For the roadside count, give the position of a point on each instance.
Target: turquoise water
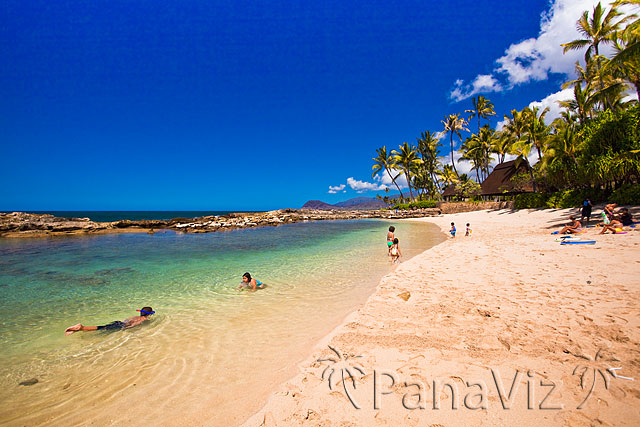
(316, 274)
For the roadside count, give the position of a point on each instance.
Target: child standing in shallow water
(390, 236)
(394, 251)
(453, 230)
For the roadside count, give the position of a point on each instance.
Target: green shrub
(530, 201)
(628, 194)
(421, 204)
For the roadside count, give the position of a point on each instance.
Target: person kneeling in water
(252, 284)
(145, 312)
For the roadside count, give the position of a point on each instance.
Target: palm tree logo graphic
(341, 363)
(596, 372)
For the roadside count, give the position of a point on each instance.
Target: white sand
(507, 298)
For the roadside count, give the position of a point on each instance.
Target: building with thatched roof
(498, 184)
(500, 181)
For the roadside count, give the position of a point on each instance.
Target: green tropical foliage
(592, 150)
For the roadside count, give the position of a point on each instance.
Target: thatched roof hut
(499, 182)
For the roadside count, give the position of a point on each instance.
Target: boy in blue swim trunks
(251, 283)
(145, 313)
(453, 230)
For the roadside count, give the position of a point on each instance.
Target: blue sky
(147, 105)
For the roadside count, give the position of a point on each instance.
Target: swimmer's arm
(254, 284)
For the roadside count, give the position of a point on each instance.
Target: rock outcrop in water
(21, 224)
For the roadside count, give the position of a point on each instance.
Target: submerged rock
(31, 381)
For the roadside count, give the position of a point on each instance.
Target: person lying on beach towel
(145, 313)
(574, 227)
(249, 282)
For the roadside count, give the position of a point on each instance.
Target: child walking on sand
(394, 251)
(453, 230)
(468, 232)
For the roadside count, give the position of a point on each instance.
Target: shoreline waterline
(204, 349)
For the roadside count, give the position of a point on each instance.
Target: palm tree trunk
(394, 182)
(406, 174)
(453, 164)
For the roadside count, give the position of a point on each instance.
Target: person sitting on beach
(390, 236)
(468, 231)
(394, 251)
(574, 227)
(251, 283)
(453, 230)
(607, 214)
(619, 221)
(586, 210)
(145, 312)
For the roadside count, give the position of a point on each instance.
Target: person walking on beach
(468, 231)
(586, 210)
(453, 230)
(394, 251)
(251, 283)
(145, 313)
(390, 236)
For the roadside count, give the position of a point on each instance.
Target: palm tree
(627, 66)
(428, 148)
(596, 30)
(447, 175)
(582, 103)
(407, 159)
(537, 131)
(472, 151)
(522, 148)
(453, 123)
(502, 144)
(482, 107)
(385, 162)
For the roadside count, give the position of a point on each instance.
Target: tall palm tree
(627, 66)
(537, 131)
(447, 175)
(521, 148)
(502, 144)
(472, 151)
(407, 159)
(582, 103)
(482, 107)
(428, 148)
(385, 162)
(453, 124)
(596, 30)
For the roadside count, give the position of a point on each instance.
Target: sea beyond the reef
(110, 216)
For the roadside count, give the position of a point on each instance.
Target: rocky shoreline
(21, 224)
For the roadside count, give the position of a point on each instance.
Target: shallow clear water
(209, 345)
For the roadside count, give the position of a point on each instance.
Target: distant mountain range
(356, 203)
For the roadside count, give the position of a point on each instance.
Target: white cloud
(483, 83)
(362, 186)
(336, 188)
(551, 101)
(385, 179)
(534, 58)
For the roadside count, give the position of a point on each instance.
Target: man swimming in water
(145, 313)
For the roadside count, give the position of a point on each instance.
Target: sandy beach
(506, 327)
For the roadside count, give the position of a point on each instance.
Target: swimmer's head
(392, 229)
(146, 311)
(246, 277)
